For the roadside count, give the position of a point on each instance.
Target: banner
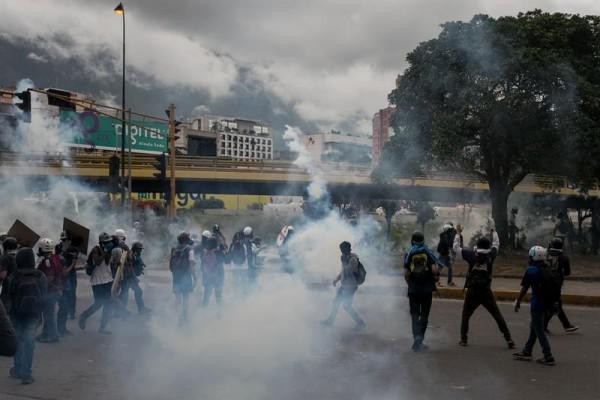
(89, 129)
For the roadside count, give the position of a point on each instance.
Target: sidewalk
(575, 292)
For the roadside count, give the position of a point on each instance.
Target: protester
(216, 232)
(132, 281)
(27, 291)
(8, 337)
(560, 265)
(51, 265)
(445, 250)
(348, 277)
(101, 279)
(8, 266)
(213, 272)
(478, 285)
(541, 302)
(182, 265)
(420, 271)
(69, 255)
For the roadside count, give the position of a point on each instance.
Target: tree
(425, 213)
(495, 97)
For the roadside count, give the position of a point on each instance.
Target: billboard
(89, 129)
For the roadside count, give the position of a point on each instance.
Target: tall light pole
(120, 10)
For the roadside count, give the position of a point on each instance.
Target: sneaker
(571, 328)
(360, 326)
(522, 356)
(546, 361)
(45, 339)
(451, 284)
(144, 310)
(423, 347)
(82, 323)
(463, 343)
(27, 381)
(327, 323)
(104, 331)
(12, 372)
(510, 344)
(439, 284)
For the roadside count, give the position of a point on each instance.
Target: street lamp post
(120, 10)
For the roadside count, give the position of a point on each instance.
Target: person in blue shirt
(532, 279)
(420, 271)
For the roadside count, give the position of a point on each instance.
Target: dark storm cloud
(329, 63)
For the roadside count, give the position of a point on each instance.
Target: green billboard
(89, 129)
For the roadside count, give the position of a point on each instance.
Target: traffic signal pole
(172, 213)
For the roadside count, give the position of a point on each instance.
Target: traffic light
(25, 104)
(113, 174)
(161, 166)
(62, 102)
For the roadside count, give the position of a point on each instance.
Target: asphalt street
(267, 344)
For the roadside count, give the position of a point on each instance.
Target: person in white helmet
(541, 303)
(51, 265)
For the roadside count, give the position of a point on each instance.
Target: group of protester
(43, 290)
(544, 276)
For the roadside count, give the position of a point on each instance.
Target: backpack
(238, 252)
(419, 265)
(479, 277)
(361, 274)
(28, 295)
(180, 259)
(549, 285)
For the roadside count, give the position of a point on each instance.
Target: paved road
(267, 344)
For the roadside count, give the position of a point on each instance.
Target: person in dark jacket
(8, 266)
(8, 337)
(27, 290)
(51, 265)
(347, 289)
(561, 262)
(445, 250)
(420, 271)
(478, 285)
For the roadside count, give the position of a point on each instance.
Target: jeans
(23, 360)
(536, 331)
(561, 316)
(64, 308)
(133, 284)
(345, 296)
(420, 306)
(49, 329)
(208, 289)
(447, 261)
(102, 299)
(8, 337)
(484, 297)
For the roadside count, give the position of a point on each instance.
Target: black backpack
(479, 278)
(180, 259)
(549, 285)
(28, 295)
(361, 274)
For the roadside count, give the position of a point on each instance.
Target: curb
(509, 295)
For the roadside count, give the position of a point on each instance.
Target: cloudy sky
(317, 64)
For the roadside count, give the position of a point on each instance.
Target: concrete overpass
(224, 176)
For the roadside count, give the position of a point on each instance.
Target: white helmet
(120, 233)
(447, 226)
(290, 228)
(247, 231)
(537, 253)
(47, 245)
(207, 234)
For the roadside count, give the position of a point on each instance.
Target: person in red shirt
(51, 265)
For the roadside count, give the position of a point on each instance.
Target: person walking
(51, 265)
(27, 291)
(560, 264)
(420, 271)
(541, 303)
(182, 266)
(101, 279)
(349, 279)
(213, 272)
(445, 251)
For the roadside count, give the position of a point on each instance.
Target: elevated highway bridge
(225, 176)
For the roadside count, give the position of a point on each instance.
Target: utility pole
(172, 211)
(129, 167)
